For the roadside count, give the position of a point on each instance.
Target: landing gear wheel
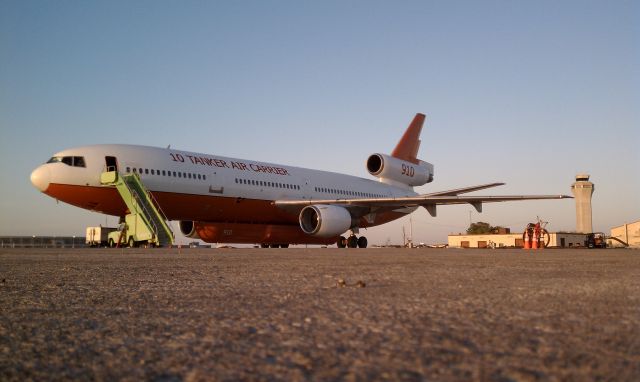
(342, 242)
(284, 245)
(111, 243)
(362, 242)
(264, 245)
(352, 242)
(132, 243)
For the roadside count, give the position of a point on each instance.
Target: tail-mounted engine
(393, 170)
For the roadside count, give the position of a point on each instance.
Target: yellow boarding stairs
(145, 223)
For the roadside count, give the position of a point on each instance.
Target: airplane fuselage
(206, 188)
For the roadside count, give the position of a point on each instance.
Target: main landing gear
(352, 242)
(274, 245)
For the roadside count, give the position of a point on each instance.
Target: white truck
(98, 236)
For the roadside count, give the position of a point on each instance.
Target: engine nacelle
(394, 170)
(188, 228)
(324, 220)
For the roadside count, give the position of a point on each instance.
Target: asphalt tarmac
(319, 314)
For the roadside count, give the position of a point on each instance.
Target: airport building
(514, 240)
(628, 233)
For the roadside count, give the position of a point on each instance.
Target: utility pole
(410, 232)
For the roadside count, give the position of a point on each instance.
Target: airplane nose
(41, 177)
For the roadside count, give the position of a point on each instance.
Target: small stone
(360, 284)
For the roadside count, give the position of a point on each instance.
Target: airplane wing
(465, 190)
(362, 206)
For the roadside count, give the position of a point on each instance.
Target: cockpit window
(69, 161)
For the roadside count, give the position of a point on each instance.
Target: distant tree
(480, 228)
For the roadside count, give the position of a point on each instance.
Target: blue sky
(529, 93)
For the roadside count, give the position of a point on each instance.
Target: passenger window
(204, 177)
(152, 172)
(128, 169)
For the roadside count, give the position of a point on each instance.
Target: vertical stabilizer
(407, 147)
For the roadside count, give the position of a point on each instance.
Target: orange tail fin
(407, 147)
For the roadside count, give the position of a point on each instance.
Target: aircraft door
(306, 190)
(111, 163)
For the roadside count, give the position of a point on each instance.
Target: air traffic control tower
(582, 190)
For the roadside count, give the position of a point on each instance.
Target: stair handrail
(154, 201)
(142, 206)
(160, 211)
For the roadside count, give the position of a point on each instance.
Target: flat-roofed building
(515, 240)
(629, 233)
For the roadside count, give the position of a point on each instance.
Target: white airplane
(227, 200)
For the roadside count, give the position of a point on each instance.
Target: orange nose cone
(41, 177)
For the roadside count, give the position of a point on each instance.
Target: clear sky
(529, 93)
